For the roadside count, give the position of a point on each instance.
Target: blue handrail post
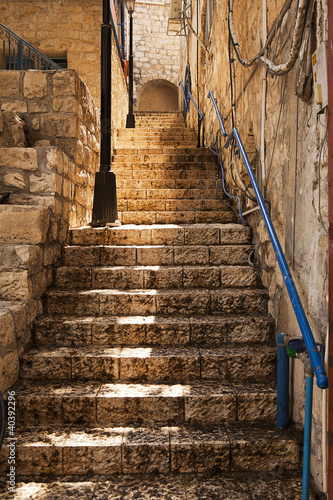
(317, 364)
(282, 383)
(307, 430)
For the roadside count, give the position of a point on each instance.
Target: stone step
(232, 486)
(157, 277)
(166, 155)
(81, 451)
(168, 234)
(126, 146)
(156, 255)
(155, 302)
(154, 331)
(187, 217)
(198, 403)
(167, 194)
(150, 364)
(136, 171)
(152, 147)
(170, 205)
(184, 169)
(166, 133)
(190, 184)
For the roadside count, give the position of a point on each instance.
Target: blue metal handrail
(316, 360)
(185, 99)
(210, 96)
(20, 55)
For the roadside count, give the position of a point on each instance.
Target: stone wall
(155, 55)
(69, 29)
(293, 186)
(48, 178)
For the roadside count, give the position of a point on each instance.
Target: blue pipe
(210, 95)
(307, 433)
(322, 380)
(282, 383)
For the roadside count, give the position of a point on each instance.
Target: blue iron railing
(312, 349)
(316, 359)
(187, 100)
(19, 54)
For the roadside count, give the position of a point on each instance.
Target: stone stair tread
(165, 234)
(231, 486)
(154, 330)
(152, 364)
(199, 403)
(111, 450)
(89, 256)
(157, 277)
(78, 450)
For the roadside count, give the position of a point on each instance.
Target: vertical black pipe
(105, 93)
(105, 194)
(130, 121)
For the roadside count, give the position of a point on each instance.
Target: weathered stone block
(23, 224)
(64, 83)
(9, 370)
(35, 84)
(19, 158)
(14, 180)
(15, 284)
(10, 83)
(7, 328)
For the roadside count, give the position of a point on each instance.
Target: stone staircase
(153, 370)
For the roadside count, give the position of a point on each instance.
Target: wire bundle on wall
(275, 69)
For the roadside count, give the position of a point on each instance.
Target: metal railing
(20, 55)
(316, 359)
(187, 100)
(311, 346)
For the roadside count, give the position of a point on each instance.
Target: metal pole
(130, 121)
(307, 430)
(282, 383)
(105, 195)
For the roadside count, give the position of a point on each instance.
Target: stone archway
(158, 95)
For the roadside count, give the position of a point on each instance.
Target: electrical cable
(274, 69)
(216, 153)
(319, 175)
(277, 23)
(276, 131)
(232, 83)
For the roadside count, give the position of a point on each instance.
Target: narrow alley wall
(291, 163)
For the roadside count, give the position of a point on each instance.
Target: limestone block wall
(155, 55)
(295, 178)
(59, 111)
(49, 178)
(69, 29)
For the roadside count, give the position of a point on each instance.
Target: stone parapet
(57, 108)
(48, 175)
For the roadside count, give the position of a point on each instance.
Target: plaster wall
(296, 165)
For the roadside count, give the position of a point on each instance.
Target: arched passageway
(158, 95)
